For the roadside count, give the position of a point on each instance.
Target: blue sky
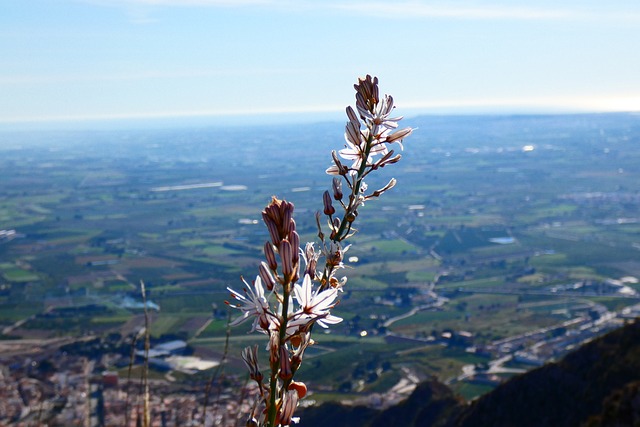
(102, 59)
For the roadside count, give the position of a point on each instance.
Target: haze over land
(508, 240)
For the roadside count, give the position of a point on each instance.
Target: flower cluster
(369, 136)
(279, 303)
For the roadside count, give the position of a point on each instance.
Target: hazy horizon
(138, 59)
(266, 119)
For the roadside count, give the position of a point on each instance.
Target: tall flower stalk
(288, 297)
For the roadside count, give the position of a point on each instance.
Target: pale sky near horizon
(102, 59)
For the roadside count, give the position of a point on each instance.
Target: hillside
(596, 385)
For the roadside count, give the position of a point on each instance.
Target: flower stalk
(290, 307)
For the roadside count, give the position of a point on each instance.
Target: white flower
(358, 147)
(314, 305)
(253, 304)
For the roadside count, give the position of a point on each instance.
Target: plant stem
(353, 198)
(275, 367)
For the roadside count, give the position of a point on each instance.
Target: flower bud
(337, 188)
(328, 207)
(286, 257)
(274, 341)
(285, 365)
(266, 276)
(278, 218)
(312, 260)
(294, 239)
(272, 227)
(291, 228)
(399, 135)
(270, 256)
(286, 209)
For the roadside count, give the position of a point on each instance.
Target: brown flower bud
(328, 207)
(266, 276)
(291, 228)
(286, 257)
(312, 260)
(294, 239)
(278, 218)
(274, 344)
(337, 188)
(286, 210)
(285, 364)
(272, 227)
(270, 256)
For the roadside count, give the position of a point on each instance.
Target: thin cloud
(422, 10)
(221, 112)
(183, 3)
(467, 11)
(408, 9)
(35, 79)
(141, 12)
(612, 103)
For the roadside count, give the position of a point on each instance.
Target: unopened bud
(312, 261)
(278, 218)
(399, 135)
(337, 188)
(291, 228)
(266, 276)
(270, 256)
(294, 238)
(286, 257)
(310, 269)
(272, 227)
(287, 213)
(328, 207)
(285, 364)
(274, 341)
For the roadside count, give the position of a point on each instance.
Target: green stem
(355, 192)
(339, 235)
(272, 413)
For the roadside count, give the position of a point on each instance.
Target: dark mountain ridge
(594, 386)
